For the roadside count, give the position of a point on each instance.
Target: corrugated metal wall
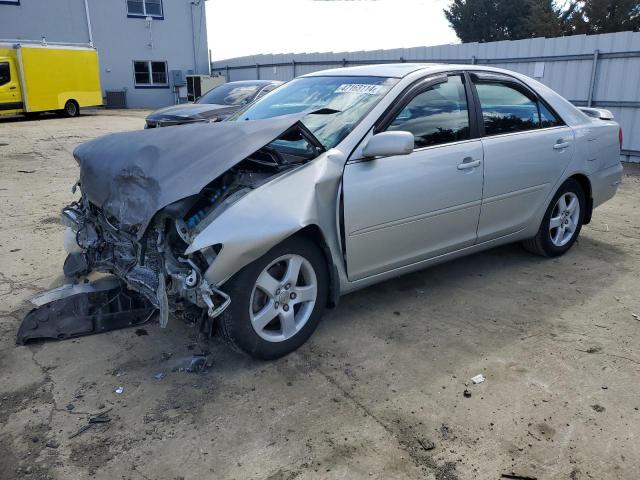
(601, 70)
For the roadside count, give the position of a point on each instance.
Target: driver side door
(403, 209)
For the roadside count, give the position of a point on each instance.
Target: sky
(249, 27)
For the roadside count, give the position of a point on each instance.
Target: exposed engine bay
(150, 258)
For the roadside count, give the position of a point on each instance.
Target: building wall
(119, 39)
(569, 65)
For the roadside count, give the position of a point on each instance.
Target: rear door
(403, 209)
(10, 94)
(526, 149)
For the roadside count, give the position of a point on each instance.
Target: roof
(396, 70)
(254, 82)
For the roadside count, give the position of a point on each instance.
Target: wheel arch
(585, 183)
(314, 233)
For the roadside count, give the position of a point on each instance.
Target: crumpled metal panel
(132, 175)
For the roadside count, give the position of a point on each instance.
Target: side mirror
(386, 144)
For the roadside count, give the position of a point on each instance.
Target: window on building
(5, 73)
(150, 73)
(10, 2)
(437, 115)
(144, 8)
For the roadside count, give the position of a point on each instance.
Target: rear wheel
(277, 301)
(71, 109)
(562, 222)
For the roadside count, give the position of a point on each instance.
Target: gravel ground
(376, 393)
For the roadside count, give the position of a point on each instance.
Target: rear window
(507, 109)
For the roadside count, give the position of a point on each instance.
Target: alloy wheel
(283, 298)
(564, 219)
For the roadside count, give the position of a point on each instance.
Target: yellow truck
(40, 78)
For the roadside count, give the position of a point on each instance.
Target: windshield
(336, 104)
(230, 94)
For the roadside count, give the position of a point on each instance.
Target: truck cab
(10, 91)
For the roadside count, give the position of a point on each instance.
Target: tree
(491, 20)
(488, 20)
(544, 19)
(606, 16)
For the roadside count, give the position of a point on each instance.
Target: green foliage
(491, 20)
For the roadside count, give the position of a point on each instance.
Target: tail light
(620, 137)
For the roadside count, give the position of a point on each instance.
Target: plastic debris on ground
(478, 379)
(119, 390)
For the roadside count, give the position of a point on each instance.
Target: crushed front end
(144, 199)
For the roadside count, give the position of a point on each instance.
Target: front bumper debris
(84, 309)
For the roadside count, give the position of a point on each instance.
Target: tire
(251, 305)
(555, 241)
(71, 109)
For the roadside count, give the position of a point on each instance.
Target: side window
(5, 73)
(506, 109)
(547, 119)
(437, 115)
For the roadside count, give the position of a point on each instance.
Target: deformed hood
(133, 175)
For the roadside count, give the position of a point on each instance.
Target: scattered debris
(141, 331)
(635, 315)
(26, 171)
(478, 379)
(119, 390)
(69, 314)
(100, 418)
(70, 407)
(515, 476)
(598, 408)
(590, 350)
(466, 393)
(159, 375)
(52, 444)
(198, 363)
(604, 387)
(426, 444)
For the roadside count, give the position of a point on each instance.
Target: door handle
(468, 163)
(561, 143)
(12, 88)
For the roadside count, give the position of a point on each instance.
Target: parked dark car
(214, 106)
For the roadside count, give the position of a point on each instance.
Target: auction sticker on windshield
(361, 88)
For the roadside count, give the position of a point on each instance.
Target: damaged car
(335, 181)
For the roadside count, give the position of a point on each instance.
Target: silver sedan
(335, 181)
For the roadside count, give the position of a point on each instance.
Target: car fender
(273, 212)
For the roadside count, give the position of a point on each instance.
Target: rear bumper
(604, 183)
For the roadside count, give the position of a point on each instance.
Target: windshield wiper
(325, 111)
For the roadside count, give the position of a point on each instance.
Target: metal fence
(589, 70)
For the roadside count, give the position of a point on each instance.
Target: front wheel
(562, 222)
(277, 301)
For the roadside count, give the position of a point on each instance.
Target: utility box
(198, 85)
(177, 77)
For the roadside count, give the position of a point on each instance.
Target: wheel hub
(287, 282)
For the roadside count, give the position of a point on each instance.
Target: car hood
(192, 111)
(133, 175)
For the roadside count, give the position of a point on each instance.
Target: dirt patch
(18, 400)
